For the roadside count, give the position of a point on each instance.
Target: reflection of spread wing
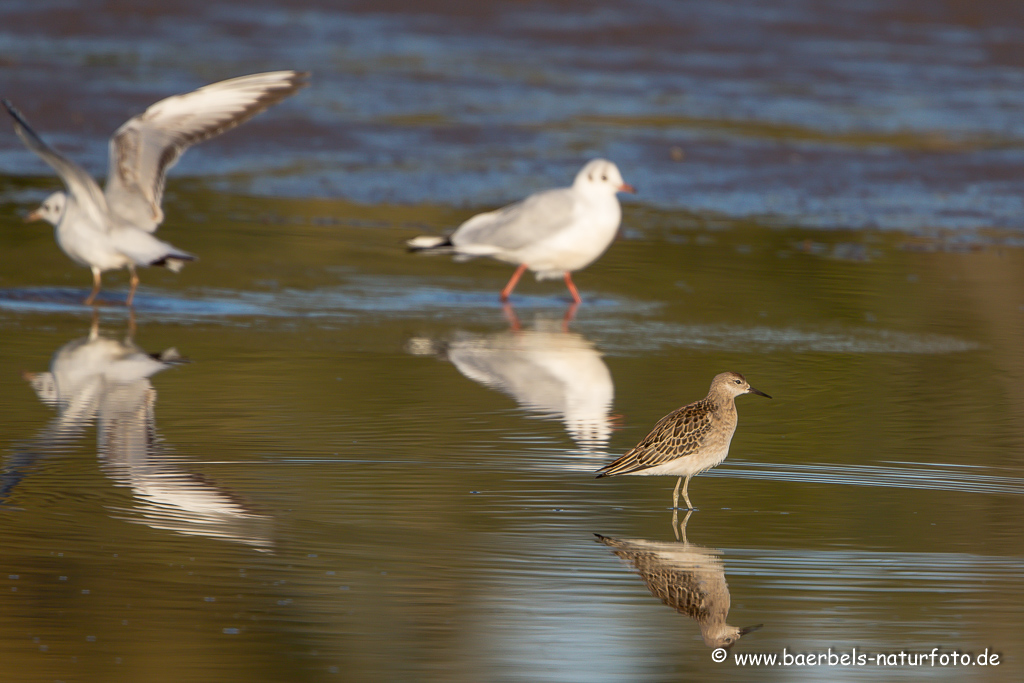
(518, 225)
(171, 498)
(678, 434)
(167, 496)
(147, 145)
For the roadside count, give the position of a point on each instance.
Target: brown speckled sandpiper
(689, 440)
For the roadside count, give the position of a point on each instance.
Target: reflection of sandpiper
(688, 578)
(689, 440)
(107, 381)
(547, 370)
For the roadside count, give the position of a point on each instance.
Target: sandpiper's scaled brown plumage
(689, 440)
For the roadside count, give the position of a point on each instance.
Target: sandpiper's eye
(737, 381)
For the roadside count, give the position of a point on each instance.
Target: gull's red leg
(510, 315)
(572, 288)
(512, 282)
(96, 275)
(135, 283)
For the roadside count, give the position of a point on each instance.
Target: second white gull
(552, 233)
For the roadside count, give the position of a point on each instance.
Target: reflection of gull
(552, 233)
(688, 578)
(547, 370)
(107, 381)
(112, 228)
(84, 371)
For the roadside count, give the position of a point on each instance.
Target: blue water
(897, 116)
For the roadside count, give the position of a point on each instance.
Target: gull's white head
(45, 386)
(601, 175)
(50, 210)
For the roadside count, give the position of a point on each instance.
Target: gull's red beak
(34, 216)
(626, 187)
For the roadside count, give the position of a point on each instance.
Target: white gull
(113, 228)
(552, 233)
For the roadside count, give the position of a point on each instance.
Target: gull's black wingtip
(16, 115)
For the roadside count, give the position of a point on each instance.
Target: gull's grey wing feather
(146, 146)
(517, 225)
(81, 187)
(677, 435)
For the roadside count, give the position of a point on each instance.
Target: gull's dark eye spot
(604, 177)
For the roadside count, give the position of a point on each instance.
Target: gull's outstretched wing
(147, 145)
(81, 187)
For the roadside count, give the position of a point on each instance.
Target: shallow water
(350, 463)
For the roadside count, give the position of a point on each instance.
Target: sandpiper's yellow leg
(680, 529)
(689, 505)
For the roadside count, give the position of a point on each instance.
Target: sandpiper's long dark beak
(750, 629)
(752, 390)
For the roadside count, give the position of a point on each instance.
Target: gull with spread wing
(113, 228)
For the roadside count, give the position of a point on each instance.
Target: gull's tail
(174, 262)
(431, 244)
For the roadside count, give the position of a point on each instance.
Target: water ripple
(928, 476)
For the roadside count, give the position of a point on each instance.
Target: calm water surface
(312, 456)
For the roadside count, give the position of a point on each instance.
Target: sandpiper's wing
(82, 188)
(517, 225)
(147, 145)
(677, 435)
